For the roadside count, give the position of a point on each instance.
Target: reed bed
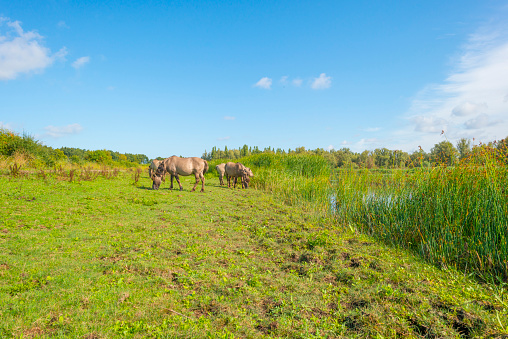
(452, 216)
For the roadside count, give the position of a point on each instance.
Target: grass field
(105, 258)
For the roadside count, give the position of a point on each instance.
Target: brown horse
(238, 170)
(177, 166)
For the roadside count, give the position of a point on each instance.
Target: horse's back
(188, 166)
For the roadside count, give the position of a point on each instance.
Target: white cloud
(284, 80)
(481, 121)
(468, 108)
(223, 138)
(229, 118)
(297, 82)
(265, 83)
(23, 52)
(80, 62)
(60, 131)
(430, 124)
(471, 102)
(322, 82)
(330, 147)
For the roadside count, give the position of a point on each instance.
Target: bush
(99, 156)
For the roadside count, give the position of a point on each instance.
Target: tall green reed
(454, 216)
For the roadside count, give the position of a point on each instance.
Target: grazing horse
(238, 170)
(221, 169)
(177, 166)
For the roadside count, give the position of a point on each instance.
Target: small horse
(177, 166)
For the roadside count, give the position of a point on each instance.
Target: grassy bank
(104, 258)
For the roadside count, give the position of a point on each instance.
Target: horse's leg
(178, 181)
(202, 177)
(234, 186)
(228, 178)
(171, 187)
(196, 175)
(220, 180)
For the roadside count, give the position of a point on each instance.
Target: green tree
(99, 156)
(444, 153)
(464, 148)
(244, 151)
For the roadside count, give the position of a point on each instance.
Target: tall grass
(454, 216)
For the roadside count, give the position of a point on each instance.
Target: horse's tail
(205, 169)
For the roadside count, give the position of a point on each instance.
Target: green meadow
(306, 252)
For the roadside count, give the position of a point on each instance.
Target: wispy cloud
(6, 125)
(265, 83)
(229, 118)
(371, 129)
(368, 143)
(80, 62)
(60, 131)
(285, 80)
(468, 108)
(322, 82)
(23, 52)
(223, 138)
(481, 121)
(471, 101)
(62, 24)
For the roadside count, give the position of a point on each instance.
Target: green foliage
(464, 148)
(444, 153)
(11, 143)
(99, 156)
(40, 155)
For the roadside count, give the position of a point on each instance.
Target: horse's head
(249, 172)
(157, 180)
(158, 176)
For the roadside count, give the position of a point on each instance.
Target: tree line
(443, 152)
(12, 143)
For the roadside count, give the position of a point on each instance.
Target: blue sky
(163, 78)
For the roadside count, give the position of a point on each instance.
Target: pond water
(371, 198)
